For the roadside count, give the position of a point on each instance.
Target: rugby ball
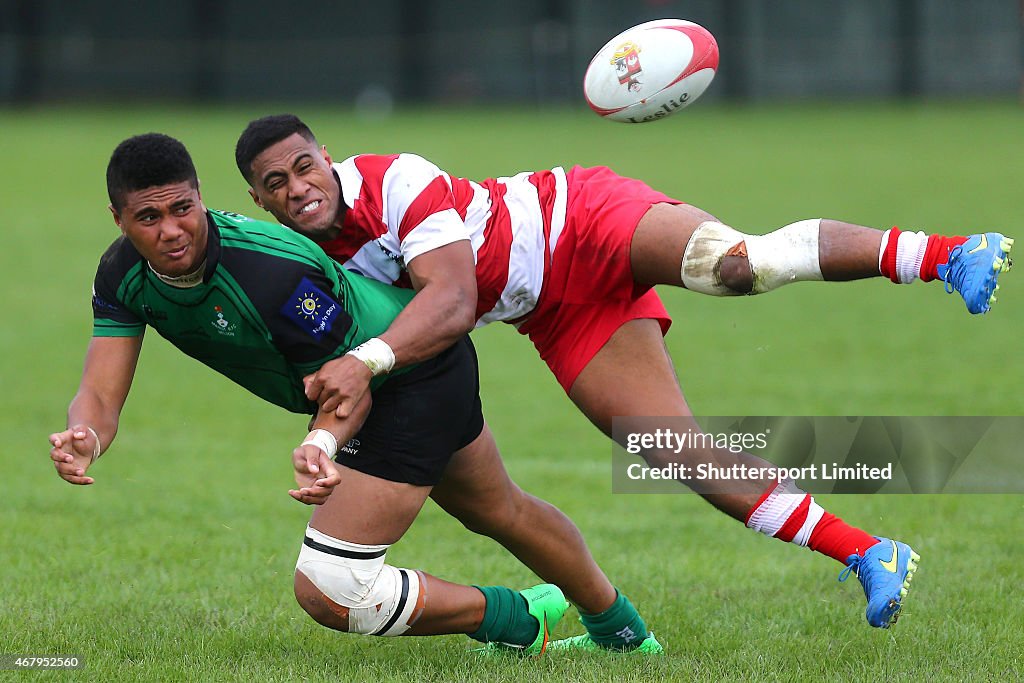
(651, 71)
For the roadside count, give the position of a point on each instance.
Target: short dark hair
(263, 133)
(145, 161)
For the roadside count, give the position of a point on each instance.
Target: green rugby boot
(650, 646)
(547, 605)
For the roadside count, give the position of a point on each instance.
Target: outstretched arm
(94, 412)
(443, 310)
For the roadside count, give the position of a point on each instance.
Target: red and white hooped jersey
(401, 206)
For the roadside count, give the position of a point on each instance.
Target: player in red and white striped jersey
(570, 258)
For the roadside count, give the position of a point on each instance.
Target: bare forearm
(343, 428)
(433, 321)
(443, 309)
(89, 409)
(106, 379)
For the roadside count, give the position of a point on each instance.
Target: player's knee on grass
(315, 604)
(348, 587)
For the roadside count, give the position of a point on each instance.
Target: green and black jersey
(271, 307)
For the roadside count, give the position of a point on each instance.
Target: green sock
(506, 618)
(620, 627)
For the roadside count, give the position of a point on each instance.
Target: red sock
(936, 254)
(887, 264)
(837, 539)
(791, 515)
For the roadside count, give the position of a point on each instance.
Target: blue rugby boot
(885, 571)
(974, 267)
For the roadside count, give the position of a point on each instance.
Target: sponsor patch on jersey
(312, 309)
(100, 304)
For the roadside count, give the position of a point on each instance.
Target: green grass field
(176, 564)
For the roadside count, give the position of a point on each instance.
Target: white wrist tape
(324, 440)
(97, 449)
(376, 354)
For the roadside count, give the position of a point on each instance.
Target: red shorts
(590, 292)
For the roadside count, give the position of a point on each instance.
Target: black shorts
(419, 419)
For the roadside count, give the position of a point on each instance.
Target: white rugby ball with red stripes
(651, 71)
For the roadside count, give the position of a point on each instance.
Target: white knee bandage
(382, 600)
(789, 254)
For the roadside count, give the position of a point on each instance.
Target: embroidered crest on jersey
(312, 309)
(222, 324)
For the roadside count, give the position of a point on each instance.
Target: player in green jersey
(264, 306)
